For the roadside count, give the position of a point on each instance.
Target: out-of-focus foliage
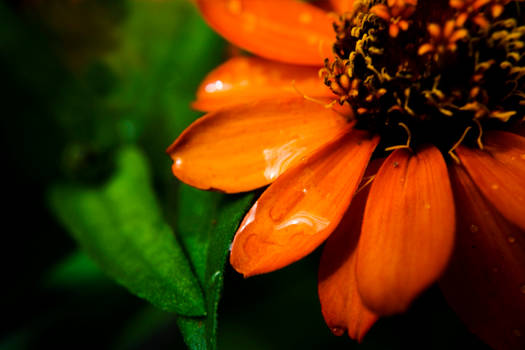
(107, 75)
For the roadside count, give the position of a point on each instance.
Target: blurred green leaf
(207, 225)
(165, 49)
(193, 330)
(121, 227)
(75, 271)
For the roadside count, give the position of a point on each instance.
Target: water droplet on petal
(279, 158)
(495, 269)
(338, 331)
(427, 206)
(516, 332)
(311, 223)
(494, 186)
(523, 156)
(522, 289)
(511, 240)
(474, 228)
(214, 87)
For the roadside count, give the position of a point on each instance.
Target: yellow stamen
(480, 144)
(451, 151)
(407, 145)
(329, 105)
(368, 182)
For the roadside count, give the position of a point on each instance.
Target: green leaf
(196, 212)
(193, 330)
(232, 210)
(206, 227)
(121, 227)
(77, 271)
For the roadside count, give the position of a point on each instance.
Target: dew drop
(214, 87)
(511, 240)
(215, 277)
(522, 289)
(516, 332)
(338, 331)
(427, 206)
(396, 164)
(523, 156)
(495, 269)
(474, 228)
(494, 186)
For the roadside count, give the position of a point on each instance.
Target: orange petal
(245, 79)
(249, 146)
(408, 230)
(296, 213)
(485, 282)
(341, 6)
(287, 31)
(499, 173)
(338, 6)
(508, 148)
(340, 302)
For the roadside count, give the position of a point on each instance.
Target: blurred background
(84, 80)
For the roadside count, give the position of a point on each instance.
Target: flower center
(439, 72)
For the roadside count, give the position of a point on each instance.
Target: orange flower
(409, 165)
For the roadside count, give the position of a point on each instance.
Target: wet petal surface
(408, 230)
(245, 79)
(298, 212)
(249, 146)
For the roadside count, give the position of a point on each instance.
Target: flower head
(394, 133)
